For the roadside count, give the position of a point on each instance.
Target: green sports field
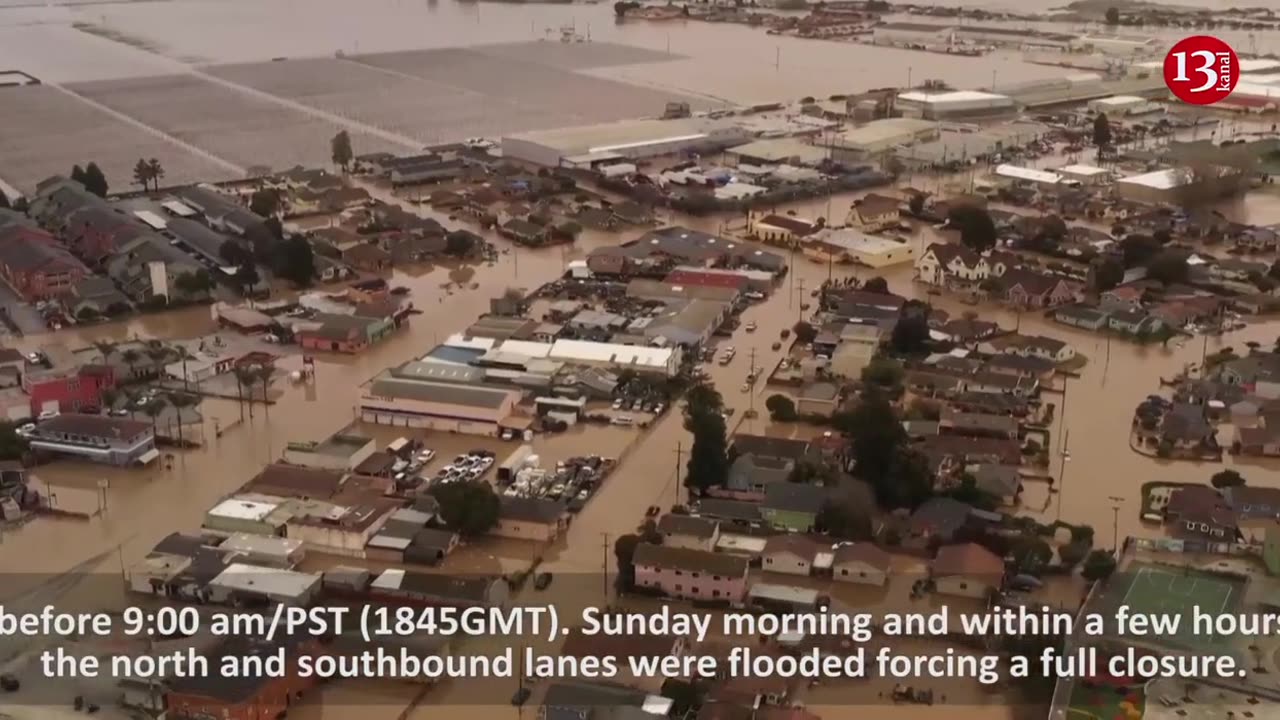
(1154, 590)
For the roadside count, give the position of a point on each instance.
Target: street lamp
(1115, 521)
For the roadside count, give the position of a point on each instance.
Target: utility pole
(800, 313)
(1115, 522)
(1062, 474)
(675, 489)
(791, 265)
(1062, 421)
(604, 567)
(751, 391)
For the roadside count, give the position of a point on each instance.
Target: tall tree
(624, 552)
(184, 356)
(1113, 16)
(468, 508)
(977, 229)
(131, 357)
(180, 402)
(296, 261)
(156, 170)
(340, 149)
(877, 285)
(245, 377)
(94, 180)
(105, 349)
(911, 335)
(265, 202)
(77, 174)
(1108, 273)
(1169, 266)
(247, 276)
(1138, 249)
(152, 409)
(708, 464)
(1101, 131)
(108, 398)
(1098, 565)
(142, 174)
(266, 376)
(194, 284)
(1226, 479)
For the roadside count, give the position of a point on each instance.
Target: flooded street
(142, 506)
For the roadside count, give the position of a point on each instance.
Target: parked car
(751, 327)
(26, 430)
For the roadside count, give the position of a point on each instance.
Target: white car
(426, 455)
(26, 430)
(751, 326)
(48, 415)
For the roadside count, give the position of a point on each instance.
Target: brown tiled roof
(799, 227)
(690, 560)
(946, 252)
(968, 559)
(874, 204)
(294, 481)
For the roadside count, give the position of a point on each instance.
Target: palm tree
(245, 376)
(106, 349)
(156, 172)
(108, 398)
(181, 401)
(131, 358)
(264, 374)
(152, 409)
(184, 355)
(158, 353)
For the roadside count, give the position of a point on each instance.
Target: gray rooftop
(482, 397)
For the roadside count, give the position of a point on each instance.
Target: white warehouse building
(954, 104)
(632, 139)
(1118, 105)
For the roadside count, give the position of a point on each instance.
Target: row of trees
(148, 174)
(708, 464)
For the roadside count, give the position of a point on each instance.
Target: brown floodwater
(144, 505)
(141, 506)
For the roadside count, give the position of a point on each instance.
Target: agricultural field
(536, 96)
(244, 129)
(47, 131)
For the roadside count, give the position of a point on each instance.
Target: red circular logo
(1201, 70)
